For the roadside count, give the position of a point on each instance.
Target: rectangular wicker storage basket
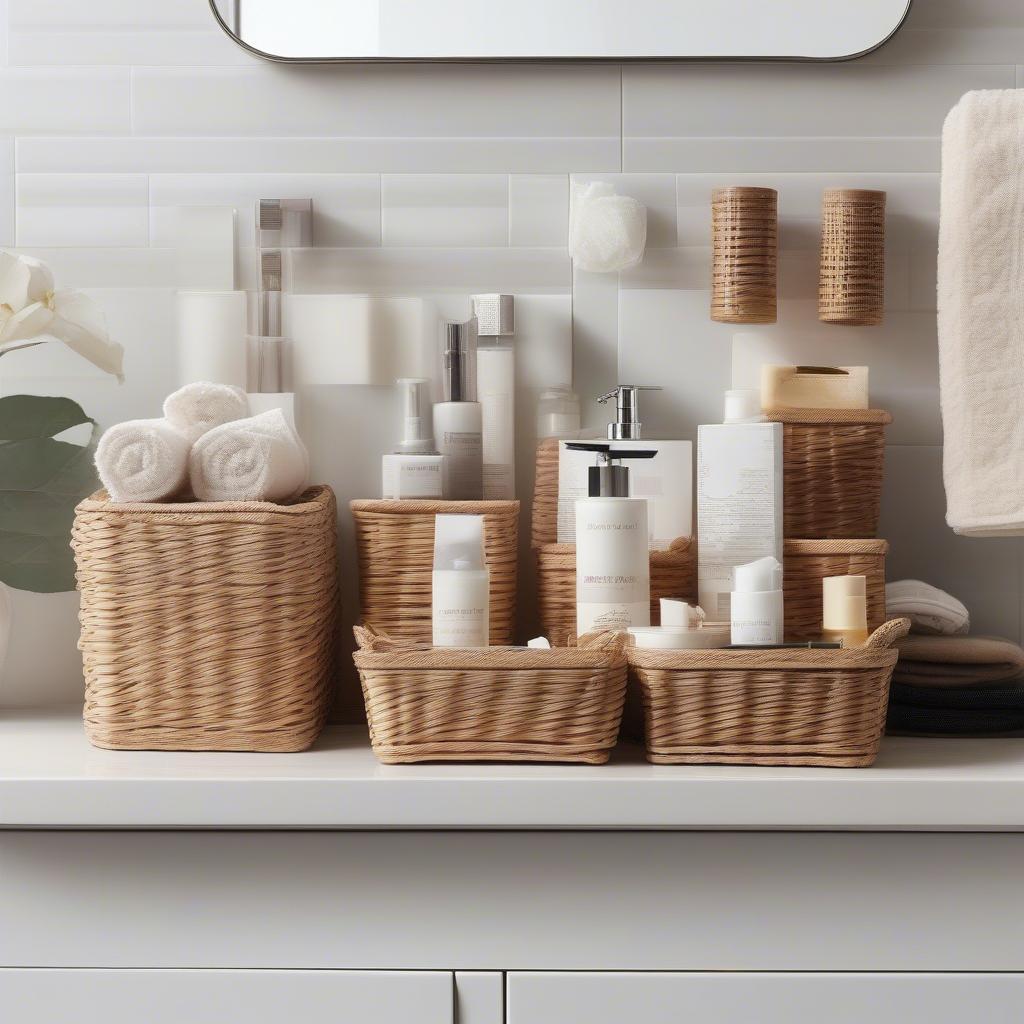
(673, 574)
(207, 626)
(395, 545)
(832, 468)
(768, 707)
(808, 562)
(493, 704)
(545, 494)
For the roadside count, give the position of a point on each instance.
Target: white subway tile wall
(444, 180)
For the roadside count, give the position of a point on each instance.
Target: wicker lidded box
(207, 625)
(395, 545)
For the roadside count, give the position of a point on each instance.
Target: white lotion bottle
(496, 391)
(757, 604)
(461, 583)
(458, 420)
(415, 469)
(613, 569)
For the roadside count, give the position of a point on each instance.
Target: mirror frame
(370, 61)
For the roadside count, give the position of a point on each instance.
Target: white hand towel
(143, 460)
(981, 313)
(197, 408)
(930, 610)
(255, 459)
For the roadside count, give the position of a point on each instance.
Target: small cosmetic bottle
(496, 392)
(415, 468)
(845, 610)
(756, 605)
(461, 583)
(458, 420)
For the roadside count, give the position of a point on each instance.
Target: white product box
(666, 481)
(739, 505)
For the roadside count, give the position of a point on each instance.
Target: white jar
(613, 569)
(757, 604)
(458, 433)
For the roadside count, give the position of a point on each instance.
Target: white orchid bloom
(32, 312)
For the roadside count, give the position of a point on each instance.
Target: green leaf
(41, 482)
(30, 416)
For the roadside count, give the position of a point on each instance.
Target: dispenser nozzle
(627, 425)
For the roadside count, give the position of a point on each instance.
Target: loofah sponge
(607, 232)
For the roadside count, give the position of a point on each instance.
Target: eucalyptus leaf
(44, 565)
(28, 416)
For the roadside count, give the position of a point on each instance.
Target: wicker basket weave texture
(395, 545)
(673, 574)
(768, 708)
(207, 626)
(545, 494)
(833, 466)
(495, 704)
(851, 287)
(744, 279)
(808, 562)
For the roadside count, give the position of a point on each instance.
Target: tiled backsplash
(451, 179)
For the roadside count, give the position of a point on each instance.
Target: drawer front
(216, 997)
(764, 998)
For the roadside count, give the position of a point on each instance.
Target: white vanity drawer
(216, 997)
(764, 998)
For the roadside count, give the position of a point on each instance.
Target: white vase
(5, 624)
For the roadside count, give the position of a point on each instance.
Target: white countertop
(50, 777)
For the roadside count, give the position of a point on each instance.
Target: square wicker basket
(492, 704)
(207, 626)
(781, 707)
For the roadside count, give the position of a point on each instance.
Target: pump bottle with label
(613, 572)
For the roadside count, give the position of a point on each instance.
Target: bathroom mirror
(325, 31)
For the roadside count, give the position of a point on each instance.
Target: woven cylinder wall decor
(833, 465)
(395, 545)
(851, 287)
(545, 494)
(673, 574)
(768, 707)
(745, 236)
(207, 625)
(808, 562)
(494, 704)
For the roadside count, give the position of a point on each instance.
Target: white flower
(31, 311)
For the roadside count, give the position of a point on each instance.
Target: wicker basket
(808, 562)
(495, 704)
(395, 544)
(207, 626)
(768, 707)
(745, 230)
(851, 289)
(673, 574)
(833, 463)
(545, 494)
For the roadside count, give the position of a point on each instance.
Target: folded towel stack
(957, 685)
(931, 611)
(205, 439)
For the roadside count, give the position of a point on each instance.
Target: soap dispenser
(627, 425)
(613, 573)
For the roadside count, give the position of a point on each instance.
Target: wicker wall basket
(207, 626)
(673, 574)
(745, 235)
(768, 707)
(395, 544)
(833, 465)
(495, 704)
(545, 494)
(851, 289)
(808, 562)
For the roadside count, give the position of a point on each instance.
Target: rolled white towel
(255, 459)
(199, 407)
(143, 460)
(930, 610)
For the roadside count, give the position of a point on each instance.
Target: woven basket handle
(372, 642)
(887, 634)
(609, 640)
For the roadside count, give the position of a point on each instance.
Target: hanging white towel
(981, 313)
(255, 459)
(199, 407)
(143, 460)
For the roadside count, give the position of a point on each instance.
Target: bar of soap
(814, 387)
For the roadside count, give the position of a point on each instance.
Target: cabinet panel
(765, 998)
(216, 997)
